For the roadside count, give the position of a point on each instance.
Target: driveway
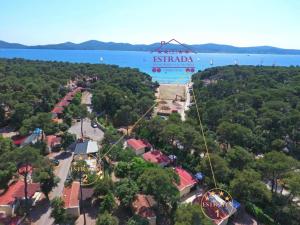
(40, 215)
(95, 134)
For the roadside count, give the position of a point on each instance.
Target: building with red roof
(157, 157)
(69, 97)
(138, 146)
(63, 103)
(216, 208)
(15, 192)
(143, 206)
(52, 142)
(71, 199)
(186, 181)
(57, 110)
(19, 140)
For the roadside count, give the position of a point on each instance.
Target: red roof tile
(57, 110)
(16, 190)
(142, 206)
(68, 97)
(53, 140)
(212, 210)
(63, 103)
(185, 178)
(137, 144)
(71, 195)
(18, 140)
(31, 189)
(156, 156)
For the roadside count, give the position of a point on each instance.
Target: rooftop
(142, 206)
(71, 195)
(53, 140)
(63, 103)
(186, 179)
(16, 190)
(156, 156)
(137, 144)
(18, 140)
(86, 147)
(57, 110)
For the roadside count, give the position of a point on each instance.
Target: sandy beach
(173, 98)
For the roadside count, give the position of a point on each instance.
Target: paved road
(86, 98)
(95, 134)
(41, 214)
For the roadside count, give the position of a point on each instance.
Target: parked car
(94, 125)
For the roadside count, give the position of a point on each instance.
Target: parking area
(90, 132)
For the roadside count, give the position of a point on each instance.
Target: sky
(234, 22)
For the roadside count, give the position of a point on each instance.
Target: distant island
(201, 48)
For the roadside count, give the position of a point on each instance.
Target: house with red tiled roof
(63, 103)
(157, 157)
(143, 206)
(138, 146)
(71, 199)
(57, 111)
(52, 141)
(217, 208)
(69, 97)
(10, 198)
(186, 181)
(19, 140)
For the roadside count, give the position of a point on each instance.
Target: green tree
(188, 214)
(7, 166)
(137, 220)
(124, 117)
(68, 139)
(58, 211)
(21, 112)
(2, 114)
(26, 158)
(122, 169)
(108, 203)
(235, 134)
(47, 179)
(126, 190)
(292, 181)
(160, 183)
(106, 219)
(239, 158)
(220, 168)
(248, 187)
(275, 165)
(103, 186)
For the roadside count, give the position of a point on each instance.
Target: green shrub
(258, 214)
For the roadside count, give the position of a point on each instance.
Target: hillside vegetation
(257, 108)
(28, 88)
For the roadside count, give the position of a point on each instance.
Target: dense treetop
(255, 107)
(30, 87)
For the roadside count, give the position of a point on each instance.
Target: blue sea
(144, 60)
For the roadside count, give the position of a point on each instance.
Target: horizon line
(233, 45)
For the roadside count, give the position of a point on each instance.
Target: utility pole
(80, 186)
(81, 202)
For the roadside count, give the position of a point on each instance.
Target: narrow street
(40, 215)
(90, 132)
